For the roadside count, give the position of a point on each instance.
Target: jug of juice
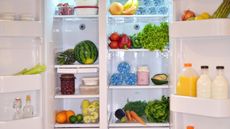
(186, 85)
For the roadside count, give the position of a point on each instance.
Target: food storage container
(87, 2)
(67, 84)
(89, 90)
(143, 75)
(90, 81)
(86, 10)
(8, 16)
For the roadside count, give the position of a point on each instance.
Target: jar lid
(204, 67)
(67, 76)
(143, 68)
(187, 65)
(219, 67)
(190, 127)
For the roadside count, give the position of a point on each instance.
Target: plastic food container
(143, 76)
(87, 2)
(8, 16)
(90, 81)
(67, 84)
(86, 10)
(89, 90)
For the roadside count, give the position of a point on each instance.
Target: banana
(94, 115)
(132, 9)
(128, 4)
(135, 3)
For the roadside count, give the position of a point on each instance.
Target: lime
(79, 118)
(73, 119)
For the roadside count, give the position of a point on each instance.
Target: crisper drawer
(30, 123)
(20, 83)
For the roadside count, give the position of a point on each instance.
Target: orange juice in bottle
(186, 85)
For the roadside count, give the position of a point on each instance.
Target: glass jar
(67, 84)
(143, 76)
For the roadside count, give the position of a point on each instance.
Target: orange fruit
(61, 117)
(69, 113)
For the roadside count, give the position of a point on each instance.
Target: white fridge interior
(21, 47)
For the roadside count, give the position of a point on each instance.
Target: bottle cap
(190, 127)
(187, 65)
(219, 67)
(204, 67)
(28, 98)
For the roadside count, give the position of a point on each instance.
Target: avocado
(160, 79)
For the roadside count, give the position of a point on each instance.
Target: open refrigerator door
(202, 41)
(21, 53)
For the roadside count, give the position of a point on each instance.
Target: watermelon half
(86, 52)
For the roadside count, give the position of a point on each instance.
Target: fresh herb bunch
(136, 106)
(154, 37)
(158, 110)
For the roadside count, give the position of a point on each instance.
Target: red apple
(113, 44)
(187, 14)
(114, 36)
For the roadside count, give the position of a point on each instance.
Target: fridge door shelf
(76, 125)
(21, 28)
(139, 87)
(114, 123)
(20, 83)
(199, 106)
(77, 68)
(28, 123)
(200, 28)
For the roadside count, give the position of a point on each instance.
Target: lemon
(199, 18)
(85, 111)
(85, 104)
(205, 15)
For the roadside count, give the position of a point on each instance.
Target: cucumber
(223, 10)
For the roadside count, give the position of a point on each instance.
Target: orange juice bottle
(186, 85)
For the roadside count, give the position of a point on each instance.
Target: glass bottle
(17, 105)
(204, 84)
(220, 85)
(28, 108)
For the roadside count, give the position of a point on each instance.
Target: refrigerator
(36, 32)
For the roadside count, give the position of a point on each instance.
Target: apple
(113, 44)
(187, 14)
(114, 36)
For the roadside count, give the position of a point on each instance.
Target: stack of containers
(90, 86)
(86, 7)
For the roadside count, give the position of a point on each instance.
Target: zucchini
(160, 79)
(223, 10)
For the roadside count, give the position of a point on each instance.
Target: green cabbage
(158, 110)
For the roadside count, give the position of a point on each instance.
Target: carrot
(136, 117)
(128, 115)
